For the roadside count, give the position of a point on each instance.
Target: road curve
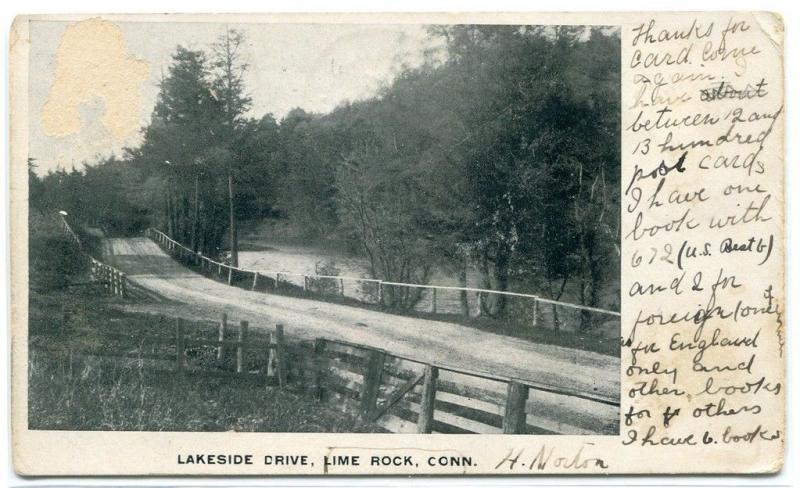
(425, 340)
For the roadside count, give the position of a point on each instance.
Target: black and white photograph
(324, 228)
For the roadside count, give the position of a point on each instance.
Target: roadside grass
(608, 346)
(71, 388)
(67, 393)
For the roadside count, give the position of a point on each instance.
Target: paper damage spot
(93, 61)
(771, 25)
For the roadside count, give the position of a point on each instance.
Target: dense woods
(500, 154)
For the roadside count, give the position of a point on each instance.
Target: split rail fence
(232, 352)
(530, 309)
(406, 395)
(398, 393)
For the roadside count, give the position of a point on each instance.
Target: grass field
(73, 391)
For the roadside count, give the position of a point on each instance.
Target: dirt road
(425, 340)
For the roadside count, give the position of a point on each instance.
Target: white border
(791, 13)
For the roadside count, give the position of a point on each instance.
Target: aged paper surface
(696, 225)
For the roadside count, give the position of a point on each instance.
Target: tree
(499, 154)
(376, 203)
(228, 86)
(184, 127)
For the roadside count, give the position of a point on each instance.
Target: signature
(547, 457)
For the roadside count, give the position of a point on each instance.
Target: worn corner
(771, 24)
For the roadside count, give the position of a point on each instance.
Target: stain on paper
(92, 61)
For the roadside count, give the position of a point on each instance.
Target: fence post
(243, 325)
(277, 279)
(123, 286)
(230, 275)
(380, 293)
(219, 269)
(180, 345)
(280, 354)
(305, 283)
(425, 420)
(341, 287)
(64, 317)
(433, 308)
(319, 348)
(514, 418)
(535, 307)
(255, 281)
(372, 382)
(223, 325)
(269, 354)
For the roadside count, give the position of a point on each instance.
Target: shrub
(54, 261)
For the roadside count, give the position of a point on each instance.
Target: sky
(312, 66)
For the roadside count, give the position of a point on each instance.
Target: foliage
(55, 260)
(500, 153)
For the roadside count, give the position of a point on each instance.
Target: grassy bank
(72, 388)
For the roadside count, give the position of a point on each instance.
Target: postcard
(398, 244)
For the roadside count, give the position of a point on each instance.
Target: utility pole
(234, 237)
(196, 216)
(170, 211)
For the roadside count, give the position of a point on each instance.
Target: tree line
(498, 154)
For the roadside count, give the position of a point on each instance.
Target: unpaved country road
(425, 340)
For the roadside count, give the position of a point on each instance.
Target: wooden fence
(398, 393)
(232, 352)
(113, 281)
(435, 300)
(406, 395)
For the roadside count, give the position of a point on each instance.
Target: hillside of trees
(499, 154)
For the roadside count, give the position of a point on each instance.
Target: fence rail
(374, 291)
(398, 393)
(114, 281)
(403, 394)
(233, 348)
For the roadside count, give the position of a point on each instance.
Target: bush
(54, 259)
(55, 262)
(325, 286)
